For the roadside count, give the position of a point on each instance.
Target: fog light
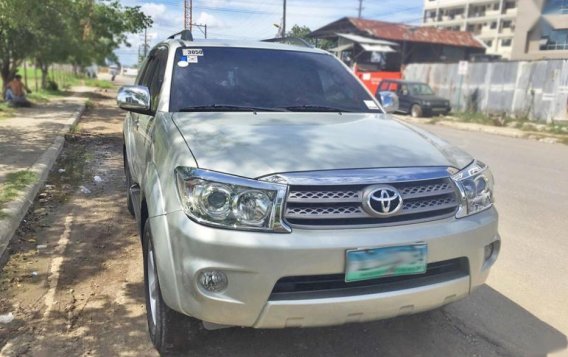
(489, 250)
(213, 280)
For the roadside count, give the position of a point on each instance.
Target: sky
(256, 19)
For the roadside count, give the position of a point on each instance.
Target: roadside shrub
(52, 86)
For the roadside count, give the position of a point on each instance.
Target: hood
(255, 145)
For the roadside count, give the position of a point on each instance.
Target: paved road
(87, 296)
(532, 198)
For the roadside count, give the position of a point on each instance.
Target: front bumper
(436, 110)
(254, 262)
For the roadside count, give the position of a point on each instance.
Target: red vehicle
(372, 79)
(372, 60)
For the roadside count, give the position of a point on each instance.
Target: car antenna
(186, 35)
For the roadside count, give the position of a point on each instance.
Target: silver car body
(299, 148)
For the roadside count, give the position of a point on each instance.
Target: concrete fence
(537, 90)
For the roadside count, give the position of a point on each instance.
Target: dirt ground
(73, 280)
(74, 277)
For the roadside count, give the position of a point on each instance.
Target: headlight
(233, 202)
(475, 183)
(426, 103)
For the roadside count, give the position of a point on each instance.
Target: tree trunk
(5, 73)
(44, 73)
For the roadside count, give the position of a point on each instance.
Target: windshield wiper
(314, 108)
(229, 108)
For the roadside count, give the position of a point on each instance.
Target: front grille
(341, 205)
(334, 285)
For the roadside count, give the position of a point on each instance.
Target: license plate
(364, 264)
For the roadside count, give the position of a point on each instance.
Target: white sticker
(192, 59)
(182, 64)
(366, 76)
(371, 105)
(192, 52)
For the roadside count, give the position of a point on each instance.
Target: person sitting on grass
(16, 92)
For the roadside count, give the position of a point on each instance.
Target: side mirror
(389, 100)
(134, 99)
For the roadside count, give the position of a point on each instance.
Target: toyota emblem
(382, 200)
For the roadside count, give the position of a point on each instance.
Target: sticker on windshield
(371, 105)
(183, 62)
(192, 59)
(192, 52)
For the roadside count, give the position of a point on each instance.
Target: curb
(17, 209)
(501, 131)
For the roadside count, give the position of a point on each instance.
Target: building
(414, 44)
(377, 50)
(512, 29)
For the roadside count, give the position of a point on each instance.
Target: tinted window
(420, 89)
(297, 81)
(157, 78)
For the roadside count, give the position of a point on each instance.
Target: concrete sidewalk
(31, 140)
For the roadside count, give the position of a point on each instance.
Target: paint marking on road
(55, 267)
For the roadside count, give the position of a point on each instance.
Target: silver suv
(272, 190)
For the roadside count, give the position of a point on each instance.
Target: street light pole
(284, 20)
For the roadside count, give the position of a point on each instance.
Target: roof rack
(185, 35)
(296, 41)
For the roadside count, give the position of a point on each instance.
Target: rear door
(144, 124)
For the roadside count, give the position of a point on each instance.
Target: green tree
(303, 32)
(15, 38)
(81, 32)
(103, 28)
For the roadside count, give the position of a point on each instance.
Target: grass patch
(64, 79)
(554, 129)
(15, 182)
(480, 118)
(98, 83)
(5, 111)
(45, 95)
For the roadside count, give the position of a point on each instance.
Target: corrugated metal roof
(402, 32)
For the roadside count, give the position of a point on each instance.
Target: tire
(170, 331)
(416, 111)
(129, 203)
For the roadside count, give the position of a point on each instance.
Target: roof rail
(185, 35)
(296, 41)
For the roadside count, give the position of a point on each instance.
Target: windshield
(420, 89)
(236, 79)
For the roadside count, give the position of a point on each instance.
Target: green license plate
(364, 264)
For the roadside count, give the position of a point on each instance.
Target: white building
(513, 29)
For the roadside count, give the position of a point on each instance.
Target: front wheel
(170, 331)
(416, 111)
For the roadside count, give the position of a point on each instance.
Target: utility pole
(145, 42)
(360, 7)
(145, 46)
(188, 15)
(202, 28)
(284, 20)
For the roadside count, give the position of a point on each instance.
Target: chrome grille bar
(322, 205)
